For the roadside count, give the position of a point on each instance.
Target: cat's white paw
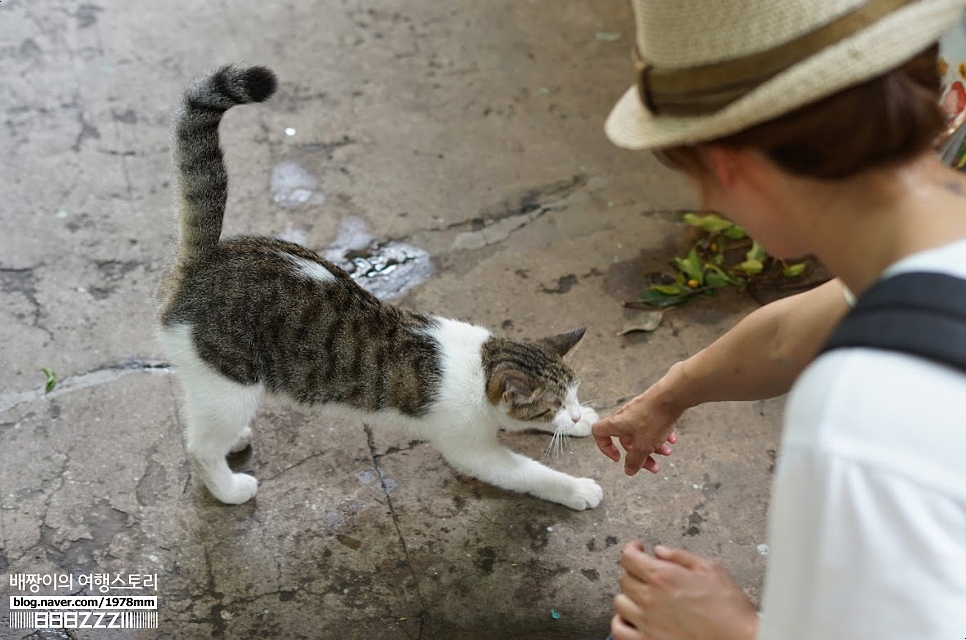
(587, 419)
(244, 441)
(586, 494)
(242, 489)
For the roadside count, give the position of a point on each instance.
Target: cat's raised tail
(202, 178)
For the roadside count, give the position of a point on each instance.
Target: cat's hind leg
(244, 441)
(218, 412)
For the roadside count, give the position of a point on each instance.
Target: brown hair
(889, 119)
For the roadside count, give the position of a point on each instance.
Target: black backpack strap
(922, 314)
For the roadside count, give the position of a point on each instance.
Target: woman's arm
(758, 358)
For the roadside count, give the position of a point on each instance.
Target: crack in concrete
(391, 450)
(328, 148)
(494, 224)
(218, 623)
(528, 202)
(87, 131)
(97, 377)
(297, 464)
(4, 557)
(370, 441)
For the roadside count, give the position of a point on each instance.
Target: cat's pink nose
(575, 416)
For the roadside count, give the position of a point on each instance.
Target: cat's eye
(539, 415)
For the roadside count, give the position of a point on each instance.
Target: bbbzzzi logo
(70, 611)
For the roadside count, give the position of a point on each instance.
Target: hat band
(706, 89)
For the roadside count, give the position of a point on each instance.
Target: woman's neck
(860, 226)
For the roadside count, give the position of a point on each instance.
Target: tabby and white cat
(246, 315)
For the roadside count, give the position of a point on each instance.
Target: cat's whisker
(556, 447)
(548, 454)
(559, 443)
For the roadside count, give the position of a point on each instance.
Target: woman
(811, 124)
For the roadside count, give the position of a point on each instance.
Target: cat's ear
(509, 385)
(562, 344)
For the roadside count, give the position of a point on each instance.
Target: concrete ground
(471, 131)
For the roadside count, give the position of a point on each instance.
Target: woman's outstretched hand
(644, 426)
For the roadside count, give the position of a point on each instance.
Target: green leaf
(691, 267)
(668, 289)
(735, 233)
(710, 223)
(794, 270)
(716, 277)
(660, 300)
(718, 259)
(715, 281)
(751, 267)
(51, 379)
(756, 253)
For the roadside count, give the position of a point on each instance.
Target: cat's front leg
(499, 466)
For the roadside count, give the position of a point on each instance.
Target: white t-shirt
(868, 511)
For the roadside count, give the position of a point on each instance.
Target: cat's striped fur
(244, 315)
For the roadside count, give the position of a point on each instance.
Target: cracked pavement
(470, 131)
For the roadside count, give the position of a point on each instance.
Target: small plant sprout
(51, 379)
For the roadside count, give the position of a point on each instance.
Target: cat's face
(531, 383)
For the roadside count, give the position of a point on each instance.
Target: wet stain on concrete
(707, 486)
(538, 534)
(292, 186)
(486, 559)
(626, 280)
(152, 484)
(103, 523)
(86, 15)
(112, 273)
(349, 541)
(538, 580)
(29, 48)
(696, 519)
(127, 116)
(694, 524)
(564, 284)
(387, 269)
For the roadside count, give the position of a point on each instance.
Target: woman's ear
(722, 163)
(732, 168)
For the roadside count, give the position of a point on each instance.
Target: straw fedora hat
(708, 68)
